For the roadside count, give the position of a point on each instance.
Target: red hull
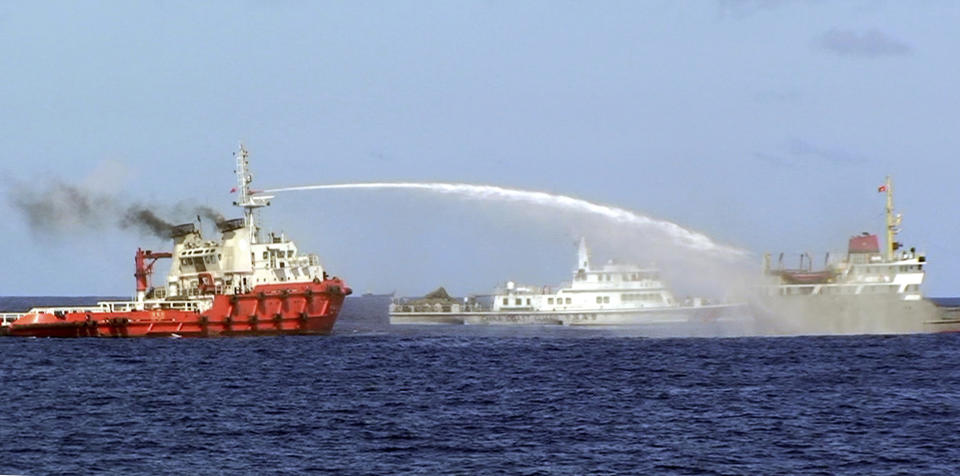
(275, 309)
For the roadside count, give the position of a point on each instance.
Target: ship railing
(400, 306)
(115, 306)
(7, 318)
(152, 304)
(832, 288)
(64, 310)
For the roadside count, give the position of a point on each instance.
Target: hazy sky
(767, 125)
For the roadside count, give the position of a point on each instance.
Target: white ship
(866, 291)
(610, 295)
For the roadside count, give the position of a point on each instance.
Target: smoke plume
(209, 213)
(146, 220)
(60, 208)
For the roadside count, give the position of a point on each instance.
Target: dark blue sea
(372, 399)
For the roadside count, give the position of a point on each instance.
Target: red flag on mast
(882, 188)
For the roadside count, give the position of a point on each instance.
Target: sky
(767, 125)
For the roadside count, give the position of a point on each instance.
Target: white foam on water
(688, 238)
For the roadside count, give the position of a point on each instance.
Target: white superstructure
(242, 259)
(866, 291)
(612, 294)
(860, 272)
(609, 287)
(864, 270)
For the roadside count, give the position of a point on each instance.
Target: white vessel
(610, 295)
(866, 291)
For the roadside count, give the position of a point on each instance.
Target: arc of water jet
(692, 239)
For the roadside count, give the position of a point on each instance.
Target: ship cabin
(240, 261)
(863, 270)
(233, 265)
(612, 286)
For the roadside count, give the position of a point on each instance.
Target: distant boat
(368, 294)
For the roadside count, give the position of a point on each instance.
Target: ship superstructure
(610, 294)
(243, 283)
(241, 260)
(607, 287)
(869, 289)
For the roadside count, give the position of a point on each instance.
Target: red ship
(243, 284)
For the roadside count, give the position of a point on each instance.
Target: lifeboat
(806, 277)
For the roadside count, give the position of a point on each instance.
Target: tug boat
(241, 285)
(609, 295)
(869, 290)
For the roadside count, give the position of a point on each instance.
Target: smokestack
(230, 225)
(182, 230)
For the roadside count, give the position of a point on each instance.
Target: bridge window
(506, 302)
(549, 300)
(569, 301)
(518, 301)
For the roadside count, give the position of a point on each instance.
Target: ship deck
(569, 317)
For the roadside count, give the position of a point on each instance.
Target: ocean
(376, 399)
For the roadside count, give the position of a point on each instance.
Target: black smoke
(147, 221)
(58, 208)
(209, 213)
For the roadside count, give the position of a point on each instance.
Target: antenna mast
(245, 197)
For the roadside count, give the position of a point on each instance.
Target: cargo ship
(611, 294)
(244, 284)
(868, 290)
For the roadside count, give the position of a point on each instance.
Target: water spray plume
(688, 238)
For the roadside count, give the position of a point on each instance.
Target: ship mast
(893, 220)
(583, 255)
(245, 197)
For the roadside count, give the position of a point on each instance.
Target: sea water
(376, 399)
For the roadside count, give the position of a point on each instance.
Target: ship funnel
(865, 243)
(182, 230)
(230, 225)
